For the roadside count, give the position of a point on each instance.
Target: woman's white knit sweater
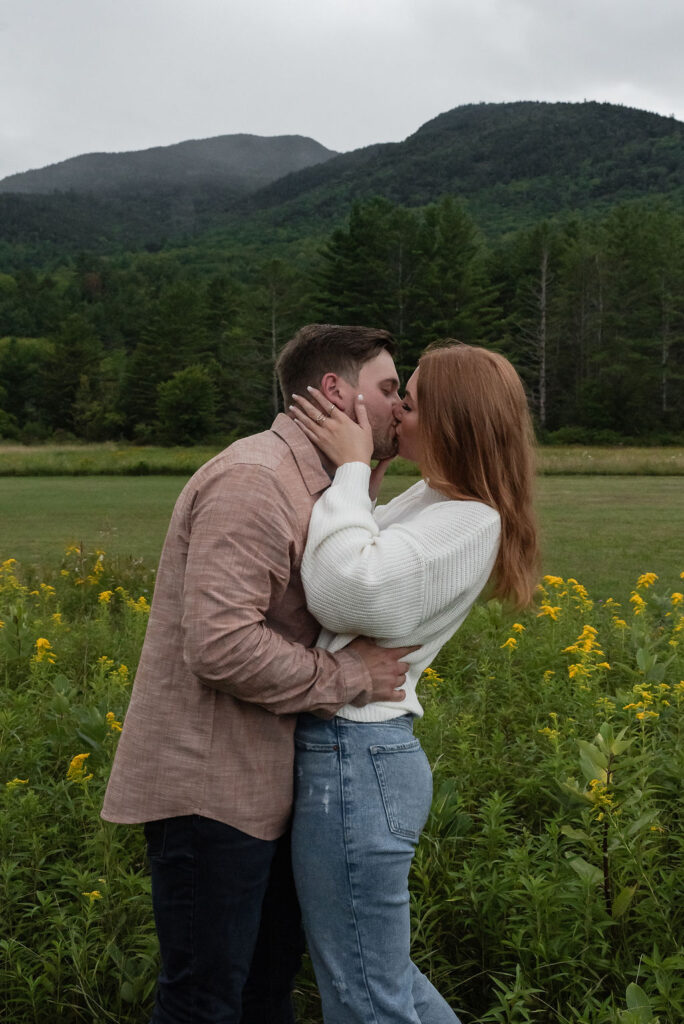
(407, 574)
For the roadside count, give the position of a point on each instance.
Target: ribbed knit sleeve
(386, 582)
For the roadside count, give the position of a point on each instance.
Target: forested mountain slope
(511, 162)
(237, 163)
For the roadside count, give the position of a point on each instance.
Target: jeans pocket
(155, 835)
(405, 781)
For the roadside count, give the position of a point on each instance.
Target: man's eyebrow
(393, 381)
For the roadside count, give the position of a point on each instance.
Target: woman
(407, 574)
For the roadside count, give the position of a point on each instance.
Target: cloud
(127, 74)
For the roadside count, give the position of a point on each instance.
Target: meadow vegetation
(110, 459)
(547, 888)
(602, 529)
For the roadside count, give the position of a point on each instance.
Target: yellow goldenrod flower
(518, 627)
(646, 580)
(76, 772)
(553, 581)
(106, 596)
(44, 652)
(13, 783)
(549, 674)
(92, 896)
(112, 722)
(601, 798)
(141, 605)
(429, 675)
(56, 617)
(619, 623)
(638, 602)
(2, 624)
(511, 643)
(676, 598)
(552, 734)
(550, 610)
(604, 664)
(643, 715)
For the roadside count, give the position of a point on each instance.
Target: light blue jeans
(362, 795)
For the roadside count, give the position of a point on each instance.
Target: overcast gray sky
(80, 76)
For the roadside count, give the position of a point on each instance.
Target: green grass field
(112, 459)
(604, 530)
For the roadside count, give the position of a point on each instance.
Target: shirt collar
(305, 454)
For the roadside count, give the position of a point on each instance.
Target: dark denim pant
(228, 924)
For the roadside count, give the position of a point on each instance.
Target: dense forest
(551, 232)
(168, 347)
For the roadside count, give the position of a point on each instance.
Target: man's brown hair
(318, 349)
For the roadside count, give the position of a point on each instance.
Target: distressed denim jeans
(362, 795)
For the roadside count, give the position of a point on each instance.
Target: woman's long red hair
(477, 443)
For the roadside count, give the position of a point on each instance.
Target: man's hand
(385, 668)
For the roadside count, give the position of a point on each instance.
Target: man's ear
(336, 390)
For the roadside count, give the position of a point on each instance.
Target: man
(205, 757)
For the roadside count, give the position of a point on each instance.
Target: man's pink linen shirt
(226, 662)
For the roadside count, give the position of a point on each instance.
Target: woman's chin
(404, 451)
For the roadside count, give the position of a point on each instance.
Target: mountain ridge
(510, 165)
(243, 161)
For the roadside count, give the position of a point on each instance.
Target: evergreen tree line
(167, 348)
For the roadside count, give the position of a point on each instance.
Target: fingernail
(360, 398)
(291, 408)
(309, 388)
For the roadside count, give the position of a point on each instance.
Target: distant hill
(510, 163)
(237, 163)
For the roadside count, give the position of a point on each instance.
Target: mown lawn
(601, 529)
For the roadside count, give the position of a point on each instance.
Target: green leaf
(639, 1003)
(644, 659)
(575, 833)
(645, 819)
(127, 993)
(623, 900)
(592, 770)
(593, 753)
(586, 870)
